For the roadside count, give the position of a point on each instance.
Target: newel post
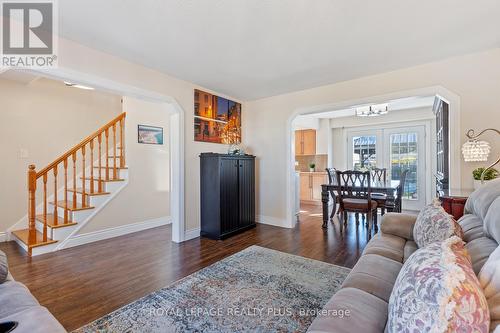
(31, 204)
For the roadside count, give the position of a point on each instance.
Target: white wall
(82, 61)
(473, 78)
(147, 195)
(44, 118)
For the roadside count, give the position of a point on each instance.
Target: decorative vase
(478, 184)
(311, 169)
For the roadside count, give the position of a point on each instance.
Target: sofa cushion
(437, 291)
(35, 319)
(386, 245)
(367, 313)
(408, 250)
(480, 200)
(4, 267)
(398, 224)
(472, 226)
(375, 275)
(489, 277)
(15, 297)
(492, 221)
(434, 225)
(479, 250)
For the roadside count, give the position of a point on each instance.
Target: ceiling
(250, 49)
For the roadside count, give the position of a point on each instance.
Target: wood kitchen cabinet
(310, 186)
(305, 142)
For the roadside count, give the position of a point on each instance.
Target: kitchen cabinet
(305, 142)
(310, 186)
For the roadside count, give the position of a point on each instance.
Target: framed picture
(150, 135)
(216, 119)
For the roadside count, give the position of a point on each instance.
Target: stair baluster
(106, 134)
(92, 166)
(45, 207)
(65, 191)
(122, 142)
(99, 186)
(56, 217)
(84, 181)
(74, 179)
(115, 176)
(32, 204)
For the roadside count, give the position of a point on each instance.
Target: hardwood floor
(81, 284)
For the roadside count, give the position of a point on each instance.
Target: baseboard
(190, 234)
(3, 237)
(116, 231)
(271, 221)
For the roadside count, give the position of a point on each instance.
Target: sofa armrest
(398, 224)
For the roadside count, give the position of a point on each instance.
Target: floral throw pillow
(434, 224)
(437, 291)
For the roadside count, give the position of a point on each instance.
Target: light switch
(23, 153)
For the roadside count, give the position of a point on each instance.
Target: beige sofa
(367, 289)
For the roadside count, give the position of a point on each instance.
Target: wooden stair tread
(104, 180)
(87, 192)
(23, 235)
(50, 221)
(70, 206)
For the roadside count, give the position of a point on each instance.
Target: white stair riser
(56, 233)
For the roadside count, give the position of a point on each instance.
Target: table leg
(325, 195)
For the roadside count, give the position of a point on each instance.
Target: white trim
(269, 220)
(455, 131)
(177, 139)
(95, 236)
(3, 237)
(191, 234)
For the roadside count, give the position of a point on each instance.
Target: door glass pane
(404, 153)
(364, 156)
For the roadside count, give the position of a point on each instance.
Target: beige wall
(44, 118)
(80, 59)
(147, 195)
(474, 78)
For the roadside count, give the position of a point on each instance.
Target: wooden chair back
(401, 189)
(379, 175)
(354, 184)
(332, 176)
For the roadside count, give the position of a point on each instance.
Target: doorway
(395, 149)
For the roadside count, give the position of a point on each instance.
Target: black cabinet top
(202, 155)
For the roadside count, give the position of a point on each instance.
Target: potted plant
(489, 175)
(311, 167)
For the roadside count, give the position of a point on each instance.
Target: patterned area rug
(255, 290)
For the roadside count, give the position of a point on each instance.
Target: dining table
(388, 187)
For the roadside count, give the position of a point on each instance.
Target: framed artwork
(216, 119)
(149, 135)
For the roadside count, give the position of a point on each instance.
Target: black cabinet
(227, 194)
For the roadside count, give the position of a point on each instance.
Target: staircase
(72, 189)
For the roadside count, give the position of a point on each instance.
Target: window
(364, 155)
(404, 155)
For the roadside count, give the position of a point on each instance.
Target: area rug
(255, 290)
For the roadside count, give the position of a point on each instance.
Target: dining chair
(332, 180)
(354, 195)
(380, 175)
(396, 206)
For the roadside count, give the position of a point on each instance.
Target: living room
(234, 257)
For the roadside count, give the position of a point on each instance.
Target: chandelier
(372, 110)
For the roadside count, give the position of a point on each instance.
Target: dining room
(367, 160)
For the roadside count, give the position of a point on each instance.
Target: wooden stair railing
(53, 168)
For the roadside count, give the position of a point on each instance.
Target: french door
(396, 149)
